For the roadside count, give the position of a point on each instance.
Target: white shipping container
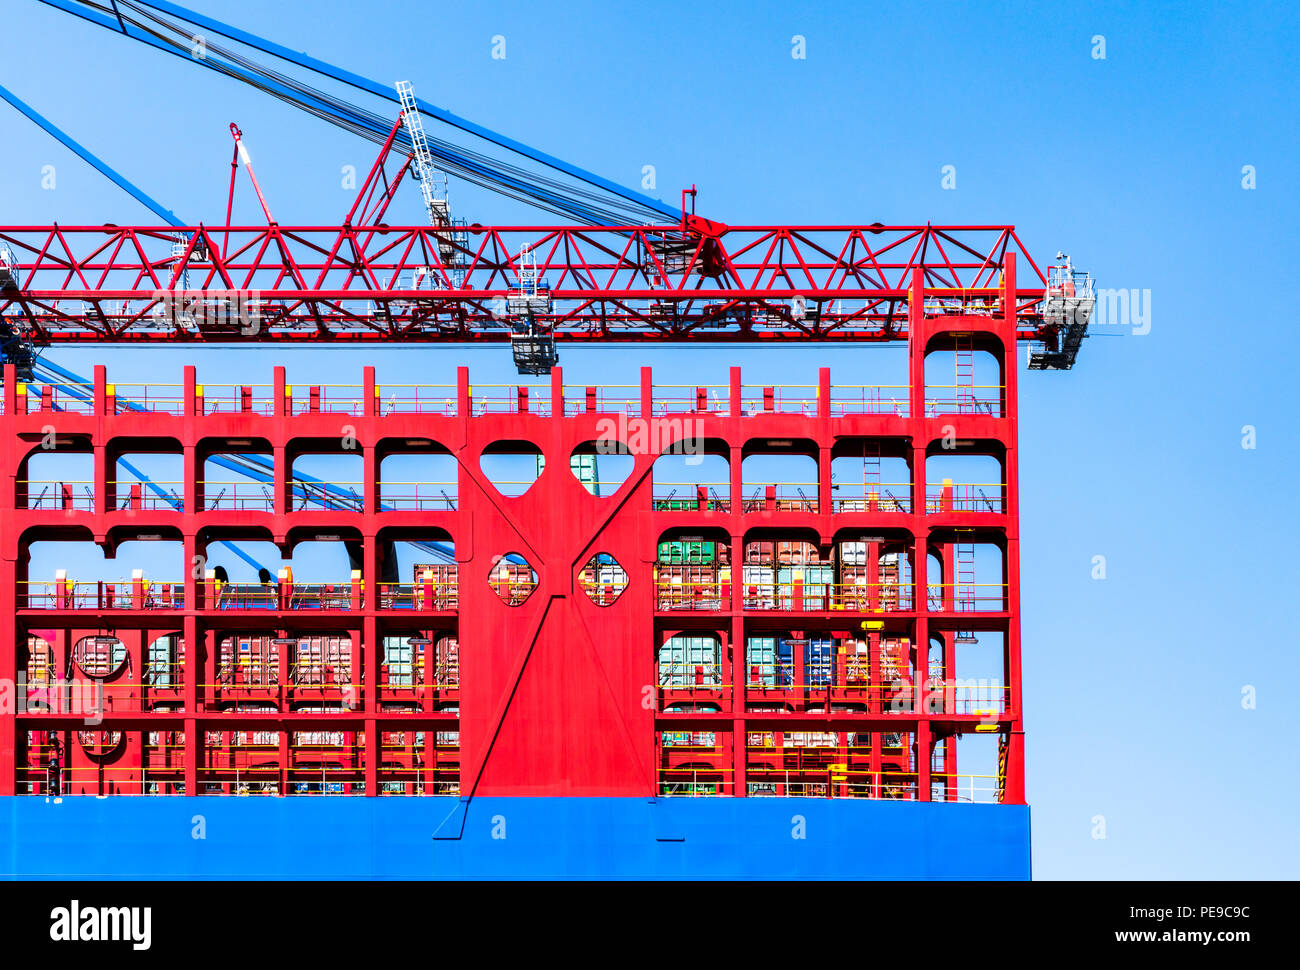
(853, 553)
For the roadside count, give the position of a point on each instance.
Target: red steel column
(736, 536)
(370, 657)
(8, 591)
(1015, 786)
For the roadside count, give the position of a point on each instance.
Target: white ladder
(433, 181)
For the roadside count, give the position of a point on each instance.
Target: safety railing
(137, 496)
(123, 595)
(694, 781)
(872, 497)
(708, 596)
(326, 496)
(836, 780)
(61, 496)
(967, 597)
(959, 303)
(510, 399)
(604, 593)
(418, 496)
(279, 597)
(973, 497)
(973, 788)
(779, 399)
(441, 399)
(690, 399)
(415, 399)
(235, 398)
(244, 596)
(326, 399)
(849, 399)
(155, 398)
(687, 675)
(851, 674)
(779, 497)
(608, 399)
(102, 779)
(254, 683)
(700, 497)
(66, 397)
(715, 595)
(985, 399)
(418, 596)
(325, 675)
(236, 496)
(413, 677)
(819, 597)
(90, 698)
(979, 698)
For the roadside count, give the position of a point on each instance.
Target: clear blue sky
(1132, 164)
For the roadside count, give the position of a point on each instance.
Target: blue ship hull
(123, 837)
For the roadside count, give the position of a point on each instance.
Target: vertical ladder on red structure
(965, 359)
(965, 589)
(1002, 767)
(871, 473)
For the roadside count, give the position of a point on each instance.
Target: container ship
(728, 631)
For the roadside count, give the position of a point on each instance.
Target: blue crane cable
(490, 173)
(384, 91)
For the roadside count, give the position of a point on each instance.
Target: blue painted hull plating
(316, 837)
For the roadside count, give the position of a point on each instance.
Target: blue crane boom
(120, 180)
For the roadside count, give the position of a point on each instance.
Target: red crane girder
(699, 281)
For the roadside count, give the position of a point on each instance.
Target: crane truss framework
(123, 284)
(560, 683)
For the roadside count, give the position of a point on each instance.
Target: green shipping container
(688, 552)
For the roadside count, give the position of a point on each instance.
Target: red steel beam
(701, 282)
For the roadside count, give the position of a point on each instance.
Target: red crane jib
(699, 280)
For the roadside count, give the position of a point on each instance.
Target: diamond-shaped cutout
(512, 579)
(603, 579)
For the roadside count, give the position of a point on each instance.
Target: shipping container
(769, 662)
(895, 661)
(797, 552)
(854, 589)
(852, 553)
(690, 661)
(514, 582)
(814, 583)
(819, 662)
(248, 660)
(758, 585)
(692, 552)
(857, 662)
(689, 587)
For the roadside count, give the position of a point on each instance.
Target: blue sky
(1132, 164)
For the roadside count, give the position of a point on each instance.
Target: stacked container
(443, 579)
(692, 574)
